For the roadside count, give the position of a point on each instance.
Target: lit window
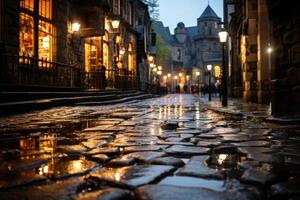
(130, 58)
(179, 54)
(45, 8)
(45, 36)
(26, 35)
(27, 4)
(46, 41)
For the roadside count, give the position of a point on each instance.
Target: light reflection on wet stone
(132, 176)
(84, 141)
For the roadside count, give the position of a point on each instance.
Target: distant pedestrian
(192, 89)
(178, 89)
(103, 82)
(185, 89)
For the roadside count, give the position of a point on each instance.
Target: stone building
(249, 35)
(62, 44)
(264, 53)
(193, 48)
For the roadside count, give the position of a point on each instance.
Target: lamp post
(209, 67)
(223, 38)
(198, 78)
(114, 61)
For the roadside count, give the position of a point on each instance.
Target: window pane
(45, 8)
(46, 41)
(28, 4)
(26, 35)
(130, 58)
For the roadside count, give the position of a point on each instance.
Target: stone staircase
(20, 102)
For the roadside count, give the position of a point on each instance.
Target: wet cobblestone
(170, 147)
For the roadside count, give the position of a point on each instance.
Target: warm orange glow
(150, 58)
(28, 4)
(115, 24)
(26, 35)
(222, 158)
(75, 27)
(217, 70)
(45, 8)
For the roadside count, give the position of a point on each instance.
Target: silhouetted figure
(185, 89)
(177, 88)
(103, 82)
(193, 89)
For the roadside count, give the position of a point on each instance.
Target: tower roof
(208, 13)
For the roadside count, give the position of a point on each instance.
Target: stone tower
(208, 48)
(180, 32)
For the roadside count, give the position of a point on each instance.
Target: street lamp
(75, 27)
(115, 24)
(223, 34)
(150, 58)
(209, 67)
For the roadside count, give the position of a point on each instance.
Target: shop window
(46, 41)
(92, 49)
(27, 4)
(45, 8)
(130, 58)
(26, 35)
(45, 35)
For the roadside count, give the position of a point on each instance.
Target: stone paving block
(172, 161)
(62, 190)
(181, 150)
(132, 176)
(106, 194)
(261, 175)
(186, 181)
(197, 167)
(167, 192)
(146, 156)
(121, 162)
(144, 148)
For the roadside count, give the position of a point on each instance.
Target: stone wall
(70, 47)
(285, 24)
(11, 27)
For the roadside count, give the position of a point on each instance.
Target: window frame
(37, 14)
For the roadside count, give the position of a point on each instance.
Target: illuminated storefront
(37, 33)
(96, 52)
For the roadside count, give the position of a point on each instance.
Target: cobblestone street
(169, 147)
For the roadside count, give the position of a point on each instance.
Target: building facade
(264, 53)
(63, 44)
(193, 48)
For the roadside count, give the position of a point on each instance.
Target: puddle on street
(227, 164)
